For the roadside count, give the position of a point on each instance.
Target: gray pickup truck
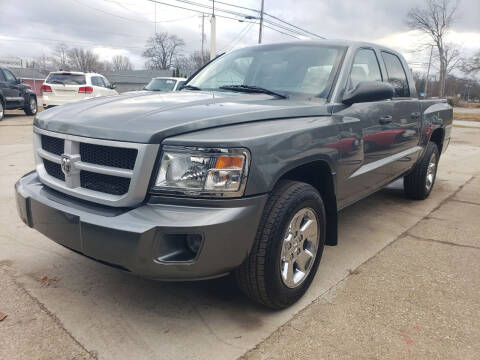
(243, 171)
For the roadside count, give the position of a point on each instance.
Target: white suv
(62, 87)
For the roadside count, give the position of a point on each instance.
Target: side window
(180, 85)
(97, 81)
(105, 82)
(2, 77)
(365, 68)
(10, 77)
(396, 74)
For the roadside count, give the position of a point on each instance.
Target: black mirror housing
(367, 91)
(19, 81)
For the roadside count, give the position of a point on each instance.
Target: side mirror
(367, 91)
(113, 86)
(19, 81)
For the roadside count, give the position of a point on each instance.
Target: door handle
(385, 119)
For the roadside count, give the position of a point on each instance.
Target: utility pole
(213, 35)
(261, 24)
(155, 18)
(203, 37)
(428, 70)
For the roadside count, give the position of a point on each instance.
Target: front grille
(53, 169)
(104, 183)
(108, 155)
(52, 144)
(94, 167)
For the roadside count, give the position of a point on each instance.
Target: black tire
(259, 277)
(28, 108)
(415, 183)
(2, 109)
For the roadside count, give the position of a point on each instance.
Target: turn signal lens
(229, 162)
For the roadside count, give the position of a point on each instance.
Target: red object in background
(383, 138)
(85, 89)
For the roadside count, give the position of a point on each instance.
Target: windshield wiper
(252, 89)
(57, 82)
(190, 87)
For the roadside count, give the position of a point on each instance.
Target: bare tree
(60, 56)
(453, 59)
(435, 20)
(189, 64)
(471, 66)
(120, 62)
(161, 50)
(84, 60)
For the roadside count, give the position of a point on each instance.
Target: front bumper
(138, 239)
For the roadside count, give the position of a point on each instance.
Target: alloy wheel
(299, 247)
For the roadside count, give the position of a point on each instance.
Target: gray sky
(30, 28)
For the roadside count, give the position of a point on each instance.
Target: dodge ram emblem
(66, 164)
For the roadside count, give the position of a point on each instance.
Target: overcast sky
(30, 28)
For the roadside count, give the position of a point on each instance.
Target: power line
(272, 16)
(241, 15)
(127, 18)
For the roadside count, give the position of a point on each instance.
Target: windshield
(303, 69)
(160, 85)
(66, 79)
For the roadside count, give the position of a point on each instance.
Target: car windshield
(294, 70)
(66, 79)
(160, 85)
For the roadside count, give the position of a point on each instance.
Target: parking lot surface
(403, 271)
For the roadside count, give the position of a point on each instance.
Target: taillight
(45, 88)
(85, 89)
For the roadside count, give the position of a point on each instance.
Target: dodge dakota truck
(243, 171)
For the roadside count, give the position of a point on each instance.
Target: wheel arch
(438, 137)
(319, 174)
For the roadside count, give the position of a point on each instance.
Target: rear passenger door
(406, 122)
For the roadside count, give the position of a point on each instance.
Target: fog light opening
(193, 242)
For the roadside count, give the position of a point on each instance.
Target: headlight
(203, 171)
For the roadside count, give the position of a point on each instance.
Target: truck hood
(152, 117)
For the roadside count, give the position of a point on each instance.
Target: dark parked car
(15, 95)
(243, 171)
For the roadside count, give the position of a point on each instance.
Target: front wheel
(419, 183)
(31, 106)
(2, 111)
(288, 246)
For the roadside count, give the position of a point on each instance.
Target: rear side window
(66, 79)
(2, 77)
(396, 74)
(97, 81)
(365, 68)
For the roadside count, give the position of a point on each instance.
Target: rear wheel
(419, 183)
(288, 246)
(30, 107)
(2, 111)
